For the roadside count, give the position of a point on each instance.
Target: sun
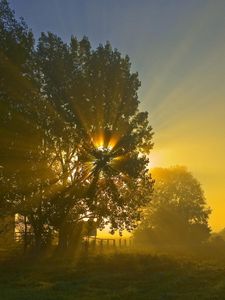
(103, 148)
(103, 142)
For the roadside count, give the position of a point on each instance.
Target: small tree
(177, 213)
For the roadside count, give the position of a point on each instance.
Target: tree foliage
(74, 143)
(177, 213)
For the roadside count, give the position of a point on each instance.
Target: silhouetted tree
(75, 144)
(177, 213)
(25, 172)
(94, 95)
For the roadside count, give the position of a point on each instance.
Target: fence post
(130, 242)
(101, 244)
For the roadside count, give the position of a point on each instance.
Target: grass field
(116, 276)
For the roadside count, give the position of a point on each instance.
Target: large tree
(75, 144)
(94, 95)
(25, 171)
(177, 213)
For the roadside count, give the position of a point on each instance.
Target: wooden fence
(88, 242)
(106, 243)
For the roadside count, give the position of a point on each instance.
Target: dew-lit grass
(115, 276)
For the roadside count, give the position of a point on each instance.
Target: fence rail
(87, 241)
(108, 242)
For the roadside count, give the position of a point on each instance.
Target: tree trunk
(75, 238)
(38, 235)
(62, 240)
(25, 234)
(70, 238)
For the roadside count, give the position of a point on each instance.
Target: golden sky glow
(190, 128)
(186, 101)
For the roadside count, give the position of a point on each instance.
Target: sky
(178, 49)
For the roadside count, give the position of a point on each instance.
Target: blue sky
(150, 32)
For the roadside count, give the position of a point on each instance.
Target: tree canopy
(177, 213)
(74, 142)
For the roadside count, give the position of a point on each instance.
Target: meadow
(121, 275)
